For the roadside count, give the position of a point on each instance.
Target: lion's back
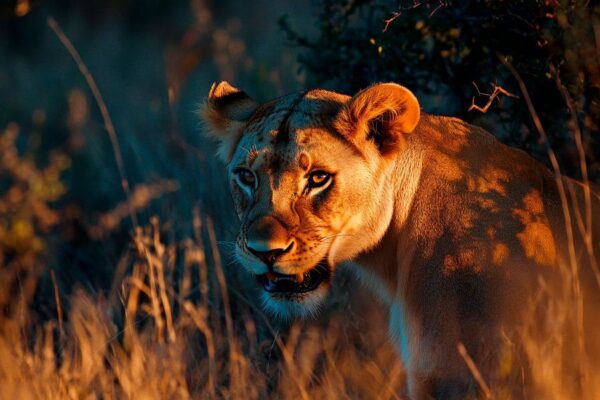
(491, 219)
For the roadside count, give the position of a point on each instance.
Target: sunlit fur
(461, 237)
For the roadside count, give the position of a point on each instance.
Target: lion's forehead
(311, 108)
(272, 157)
(285, 133)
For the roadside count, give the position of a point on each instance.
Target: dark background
(62, 205)
(154, 61)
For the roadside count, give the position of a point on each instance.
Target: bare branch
(398, 13)
(388, 21)
(497, 91)
(441, 4)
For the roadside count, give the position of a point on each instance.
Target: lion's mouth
(274, 282)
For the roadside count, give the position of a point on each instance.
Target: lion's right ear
(226, 110)
(381, 115)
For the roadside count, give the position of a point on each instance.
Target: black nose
(269, 257)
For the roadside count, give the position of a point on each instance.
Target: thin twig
(234, 357)
(59, 311)
(474, 370)
(388, 21)
(586, 225)
(199, 320)
(565, 208)
(497, 90)
(154, 298)
(398, 13)
(287, 351)
(159, 249)
(440, 5)
(108, 124)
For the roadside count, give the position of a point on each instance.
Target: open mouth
(274, 282)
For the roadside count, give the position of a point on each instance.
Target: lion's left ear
(226, 110)
(381, 113)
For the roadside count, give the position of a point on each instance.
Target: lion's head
(309, 175)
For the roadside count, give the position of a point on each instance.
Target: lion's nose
(268, 240)
(269, 257)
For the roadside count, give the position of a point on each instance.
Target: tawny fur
(461, 237)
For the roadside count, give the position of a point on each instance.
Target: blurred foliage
(153, 61)
(446, 51)
(27, 194)
(29, 216)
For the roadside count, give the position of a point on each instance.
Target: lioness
(461, 237)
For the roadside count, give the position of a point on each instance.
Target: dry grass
(155, 337)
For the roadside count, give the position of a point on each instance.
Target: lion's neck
(406, 178)
(389, 261)
(386, 267)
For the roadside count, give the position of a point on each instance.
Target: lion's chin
(288, 306)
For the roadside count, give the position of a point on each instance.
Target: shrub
(447, 51)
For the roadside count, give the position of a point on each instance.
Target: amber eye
(318, 179)
(245, 177)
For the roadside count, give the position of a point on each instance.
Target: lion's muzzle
(268, 240)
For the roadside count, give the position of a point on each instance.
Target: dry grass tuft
(167, 331)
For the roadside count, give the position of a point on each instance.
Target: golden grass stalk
(108, 124)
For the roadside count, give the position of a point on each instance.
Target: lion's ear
(226, 110)
(381, 113)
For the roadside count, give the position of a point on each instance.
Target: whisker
(336, 235)
(231, 262)
(228, 247)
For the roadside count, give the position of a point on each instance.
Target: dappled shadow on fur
(506, 271)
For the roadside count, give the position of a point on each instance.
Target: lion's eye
(245, 177)
(318, 179)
